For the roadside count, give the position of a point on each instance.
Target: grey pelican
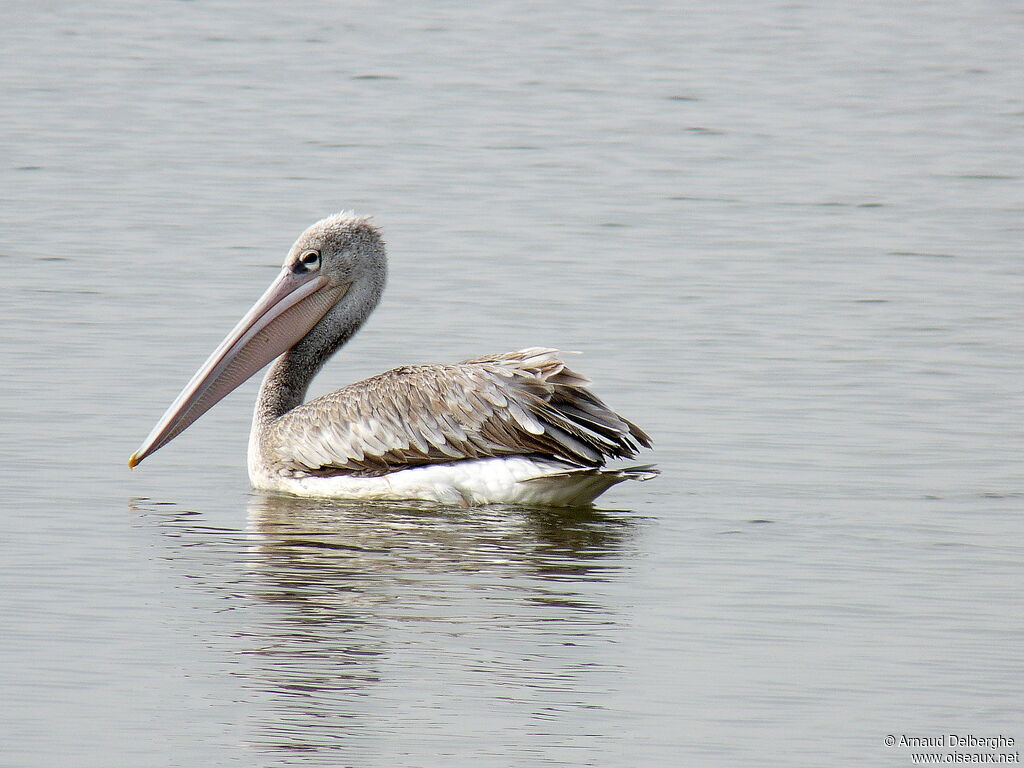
(518, 428)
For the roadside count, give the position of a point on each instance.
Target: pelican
(519, 427)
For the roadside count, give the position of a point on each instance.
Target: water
(787, 240)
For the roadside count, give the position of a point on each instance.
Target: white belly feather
(511, 480)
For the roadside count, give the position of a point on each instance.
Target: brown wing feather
(520, 403)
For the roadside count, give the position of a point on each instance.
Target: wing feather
(519, 403)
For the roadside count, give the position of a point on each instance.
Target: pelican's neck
(283, 388)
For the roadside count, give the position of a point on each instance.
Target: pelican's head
(329, 283)
(344, 249)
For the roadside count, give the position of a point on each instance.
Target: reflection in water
(381, 621)
(381, 539)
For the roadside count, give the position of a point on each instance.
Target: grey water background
(787, 239)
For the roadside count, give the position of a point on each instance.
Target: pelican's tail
(579, 487)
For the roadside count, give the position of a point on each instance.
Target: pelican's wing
(521, 403)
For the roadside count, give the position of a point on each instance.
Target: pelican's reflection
(352, 609)
(317, 541)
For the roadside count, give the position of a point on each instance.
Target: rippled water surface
(787, 239)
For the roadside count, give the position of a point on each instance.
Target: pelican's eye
(308, 261)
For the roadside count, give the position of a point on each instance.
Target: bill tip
(133, 460)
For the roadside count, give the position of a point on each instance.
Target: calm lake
(786, 239)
